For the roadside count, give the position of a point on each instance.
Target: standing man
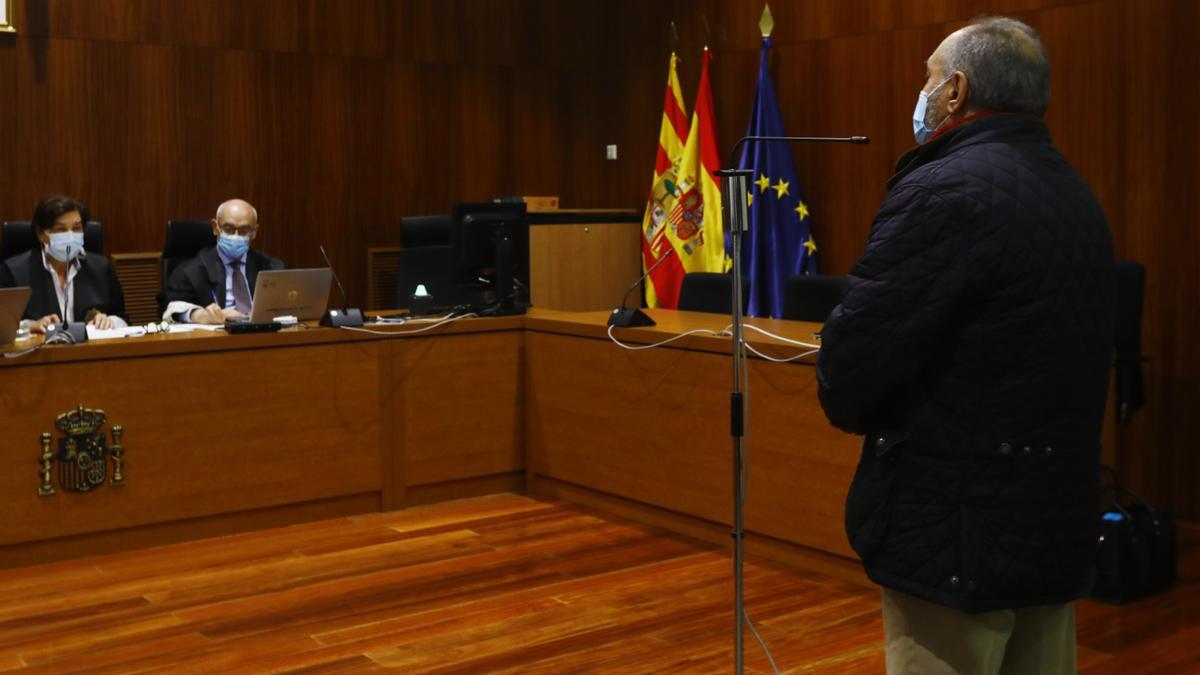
(218, 283)
(972, 350)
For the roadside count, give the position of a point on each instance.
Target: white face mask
(920, 131)
(65, 246)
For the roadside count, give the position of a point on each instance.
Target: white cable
(22, 352)
(437, 323)
(698, 331)
(783, 339)
(760, 642)
(781, 360)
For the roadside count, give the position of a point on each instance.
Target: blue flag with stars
(780, 241)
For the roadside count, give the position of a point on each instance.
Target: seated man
(218, 283)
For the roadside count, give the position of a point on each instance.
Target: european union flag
(780, 242)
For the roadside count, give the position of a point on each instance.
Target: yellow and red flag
(684, 211)
(662, 287)
(695, 218)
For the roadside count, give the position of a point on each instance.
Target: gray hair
(1005, 64)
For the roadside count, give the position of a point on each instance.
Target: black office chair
(185, 238)
(420, 231)
(811, 297)
(1127, 338)
(711, 292)
(432, 266)
(18, 238)
(426, 258)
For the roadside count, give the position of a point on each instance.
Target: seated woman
(65, 280)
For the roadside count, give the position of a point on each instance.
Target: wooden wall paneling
(132, 99)
(579, 268)
(140, 275)
(10, 59)
(1179, 266)
(539, 114)
(383, 265)
(55, 143)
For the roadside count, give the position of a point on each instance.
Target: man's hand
(39, 326)
(214, 315)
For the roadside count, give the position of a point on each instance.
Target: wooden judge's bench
(226, 433)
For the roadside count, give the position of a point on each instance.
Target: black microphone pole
(351, 316)
(737, 222)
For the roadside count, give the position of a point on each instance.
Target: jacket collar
(980, 128)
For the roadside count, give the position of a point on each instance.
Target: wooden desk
(231, 433)
(646, 433)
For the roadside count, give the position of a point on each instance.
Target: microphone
(344, 317)
(77, 333)
(67, 315)
(634, 318)
(858, 140)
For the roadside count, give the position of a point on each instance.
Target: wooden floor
(503, 583)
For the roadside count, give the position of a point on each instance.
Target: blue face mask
(65, 246)
(920, 131)
(233, 246)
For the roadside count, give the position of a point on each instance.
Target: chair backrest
(811, 297)
(710, 292)
(185, 238)
(428, 265)
(418, 231)
(18, 238)
(1130, 281)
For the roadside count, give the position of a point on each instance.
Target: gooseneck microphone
(634, 318)
(859, 140)
(67, 315)
(336, 280)
(75, 333)
(346, 316)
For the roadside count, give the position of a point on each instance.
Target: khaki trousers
(922, 638)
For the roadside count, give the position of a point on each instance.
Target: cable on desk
(788, 359)
(789, 341)
(635, 348)
(436, 323)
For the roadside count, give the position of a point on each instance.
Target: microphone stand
(737, 221)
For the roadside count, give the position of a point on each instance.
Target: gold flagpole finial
(766, 24)
(674, 38)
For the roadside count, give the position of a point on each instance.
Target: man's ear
(960, 89)
(216, 230)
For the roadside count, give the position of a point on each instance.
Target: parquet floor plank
(498, 584)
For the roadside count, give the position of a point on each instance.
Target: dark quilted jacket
(972, 350)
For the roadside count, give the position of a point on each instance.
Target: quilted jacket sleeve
(902, 296)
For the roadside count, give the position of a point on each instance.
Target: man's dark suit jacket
(202, 278)
(96, 285)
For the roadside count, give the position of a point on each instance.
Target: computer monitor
(490, 243)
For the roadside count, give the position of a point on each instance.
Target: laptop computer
(300, 293)
(12, 306)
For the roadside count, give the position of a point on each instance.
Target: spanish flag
(695, 218)
(662, 288)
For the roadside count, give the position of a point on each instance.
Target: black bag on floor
(1137, 555)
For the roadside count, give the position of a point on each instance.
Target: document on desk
(94, 333)
(190, 327)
